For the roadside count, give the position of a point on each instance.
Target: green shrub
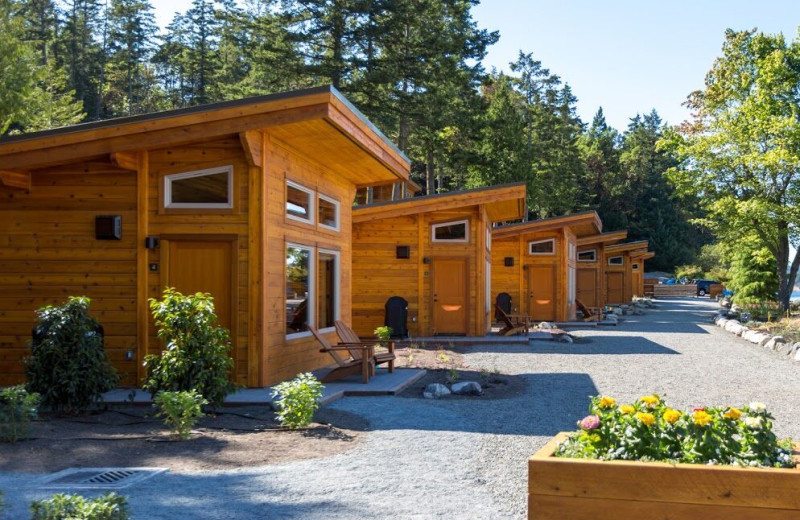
(17, 409)
(180, 410)
(384, 334)
(196, 348)
(297, 400)
(74, 507)
(68, 366)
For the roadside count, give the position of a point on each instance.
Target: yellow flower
(646, 418)
(671, 416)
(607, 402)
(650, 400)
(627, 409)
(732, 413)
(701, 418)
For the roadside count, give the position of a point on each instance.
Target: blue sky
(624, 55)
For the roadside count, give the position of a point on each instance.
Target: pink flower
(590, 422)
(703, 409)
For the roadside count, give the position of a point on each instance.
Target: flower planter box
(578, 489)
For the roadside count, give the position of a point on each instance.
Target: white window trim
(635, 266)
(312, 280)
(571, 286)
(594, 255)
(534, 242)
(622, 260)
(168, 204)
(311, 203)
(488, 238)
(336, 285)
(464, 240)
(337, 207)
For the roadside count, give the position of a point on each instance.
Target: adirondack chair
(512, 323)
(589, 313)
(349, 337)
(347, 364)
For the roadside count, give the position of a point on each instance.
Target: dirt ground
(130, 436)
(445, 365)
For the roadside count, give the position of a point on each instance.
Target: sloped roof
(584, 223)
(611, 237)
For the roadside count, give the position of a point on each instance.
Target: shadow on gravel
(621, 345)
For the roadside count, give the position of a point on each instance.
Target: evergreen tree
(81, 52)
(41, 25)
(603, 188)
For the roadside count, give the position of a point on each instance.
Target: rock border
(774, 343)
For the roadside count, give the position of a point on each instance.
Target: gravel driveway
(466, 459)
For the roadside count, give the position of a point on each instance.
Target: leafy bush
(180, 410)
(297, 400)
(650, 430)
(384, 334)
(196, 354)
(17, 409)
(68, 507)
(68, 366)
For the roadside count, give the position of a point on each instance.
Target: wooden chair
(347, 363)
(512, 323)
(589, 313)
(349, 337)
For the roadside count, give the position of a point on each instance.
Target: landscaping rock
(467, 388)
(435, 391)
(797, 355)
(795, 348)
(783, 348)
(757, 337)
(546, 325)
(773, 343)
(733, 326)
(721, 321)
(764, 340)
(564, 338)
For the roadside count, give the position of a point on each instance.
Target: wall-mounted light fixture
(508, 261)
(403, 252)
(426, 260)
(151, 243)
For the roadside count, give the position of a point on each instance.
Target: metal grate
(99, 478)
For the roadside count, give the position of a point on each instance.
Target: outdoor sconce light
(151, 243)
(508, 261)
(108, 227)
(426, 260)
(403, 252)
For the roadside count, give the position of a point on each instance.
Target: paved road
(466, 459)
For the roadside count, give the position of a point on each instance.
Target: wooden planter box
(578, 489)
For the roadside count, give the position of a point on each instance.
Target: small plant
(180, 410)
(452, 376)
(410, 358)
(444, 358)
(297, 400)
(68, 507)
(68, 366)
(384, 334)
(413, 346)
(17, 409)
(196, 355)
(485, 374)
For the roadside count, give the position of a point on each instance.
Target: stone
(748, 334)
(722, 322)
(638, 312)
(757, 337)
(764, 340)
(783, 348)
(773, 343)
(731, 325)
(467, 388)
(546, 325)
(564, 338)
(797, 355)
(624, 307)
(435, 391)
(795, 348)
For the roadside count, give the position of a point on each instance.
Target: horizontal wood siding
(48, 252)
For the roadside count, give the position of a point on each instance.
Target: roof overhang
(643, 255)
(315, 122)
(504, 202)
(582, 224)
(638, 246)
(606, 239)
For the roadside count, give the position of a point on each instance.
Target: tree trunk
(786, 274)
(430, 174)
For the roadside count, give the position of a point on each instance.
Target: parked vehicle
(704, 286)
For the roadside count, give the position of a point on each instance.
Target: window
(615, 260)
(299, 203)
(542, 247)
(635, 267)
(211, 189)
(588, 256)
(457, 231)
(299, 276)
(327, 288)
(328, 211)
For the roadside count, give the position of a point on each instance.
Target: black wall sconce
(108, 227)
(426, 260)
(508, 261)
(403, 252)
(151, 243)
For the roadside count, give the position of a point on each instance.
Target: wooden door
(542, 292)
(205, 266)
(615, 288)
(587, 287)
(449, 298)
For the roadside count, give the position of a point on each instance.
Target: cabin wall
(626, 275)
(284, 358)
(48, 252)
(571, 274)
(597, 268)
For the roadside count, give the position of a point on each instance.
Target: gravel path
(466, 459)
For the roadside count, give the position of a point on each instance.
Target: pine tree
(81, 52)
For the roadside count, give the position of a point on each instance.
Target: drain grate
(99, 478)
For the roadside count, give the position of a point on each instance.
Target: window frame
(311, 203)
(337, 276)
(337, 205)
(621, 260)
(552, 241)
(169, 178)
(489, 238)
(312, 297)
(635, 266)
(592, 251)
(437, 225)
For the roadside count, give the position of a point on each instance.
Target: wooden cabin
(591, 268)
(535, 262)
(387, 192)
(250, 200)
(619, 271)
(433, 251)
(637, 270)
